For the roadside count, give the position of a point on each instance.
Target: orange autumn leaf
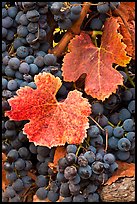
(101, 78)
(59, 153)
(127, 10)
(126, 19)
(124, 170)
(4, 180)
(52, 123)
(36, 199)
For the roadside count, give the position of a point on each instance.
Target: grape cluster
(79, 175)
(120, 124)
(102, 8)
(65, 14)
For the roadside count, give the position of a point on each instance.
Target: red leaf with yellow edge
(124, 170)
(59, 153)
(126, 19)
(52, 123)
(101, 78)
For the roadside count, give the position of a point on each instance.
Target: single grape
(22, 52)
(50, 59)
(76, 9)
(131, 107)
(41, 193)
(4, 83)
(74, 188)
(11, 176)
(126, 95)
(19, 164)
(71, 158)
(70, 172)
(12, 85)
(97, 108)
(97, 141)
(99, 157)
(65, 24)
(97, 167)
(82, 160)
(113, 167)
(10, 191)
(124, 144)
(96, 24)
(43, 151)
(93, 197)
(102, 120)
(124, 114)
(24, 153)
(53, 196)
(33, 15)
(118, 132)
(24, 68)
(85, 172)
(90, 156)
(78, 198)
(109, 129)
(64, 190)
(130, 136)
(93, 131)
(109, 158)
(103, 7)
(12, 11)
(71, 148)
(12, 155)
(18, 185)
(122, 155)
(41, 181)
(22, 31)
(60, 177)
(114, 118)
(113, 142)
(129, 125)
(91, 188)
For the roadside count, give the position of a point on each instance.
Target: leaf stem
(129, 78)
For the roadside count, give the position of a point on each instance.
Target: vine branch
(74, 30)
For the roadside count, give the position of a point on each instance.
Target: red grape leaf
(52, 123)
(126, 19)
(124, 169)
(101, 78)
(59, 153)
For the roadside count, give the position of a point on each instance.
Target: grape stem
(106, 147)
(33, 176)
(80, 146)
(96, 123)
(106, 131)
(111, 124)
(58, 50)
(129, 78)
